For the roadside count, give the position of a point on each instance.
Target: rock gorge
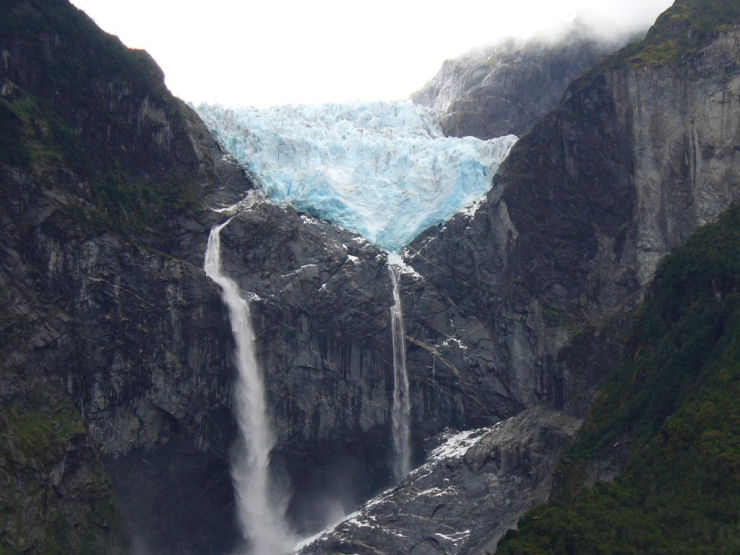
(117, 354)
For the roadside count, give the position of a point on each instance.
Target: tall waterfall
(401, 411)
(262, 519)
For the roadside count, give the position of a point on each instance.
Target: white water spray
(401, 411)
(262, 519)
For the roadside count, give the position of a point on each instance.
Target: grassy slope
(674, 400)
(681, 30)
(43, 457)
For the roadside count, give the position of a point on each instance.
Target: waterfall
(401, 411)
(261, 518)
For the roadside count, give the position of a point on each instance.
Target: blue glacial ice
(382, 169)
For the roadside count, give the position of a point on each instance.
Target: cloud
(262, 53)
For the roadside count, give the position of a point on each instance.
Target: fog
(292, 51)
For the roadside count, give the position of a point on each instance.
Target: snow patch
(433, 492)
(457, 445)
(246, 203)
(472, 208)
(394, 259)
(447, 342)
(454, 537)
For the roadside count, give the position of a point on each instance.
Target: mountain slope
(509, 87)
(672, 409)
(637, 156)
(107, 182)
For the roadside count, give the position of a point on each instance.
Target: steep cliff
(508, 87)
(639, 154)
(107, 339)
(662, 435)
(533, 296)
(106, 186)
(668, 419)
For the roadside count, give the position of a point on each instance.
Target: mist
(289, 51)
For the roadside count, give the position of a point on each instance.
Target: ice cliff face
(382, 169)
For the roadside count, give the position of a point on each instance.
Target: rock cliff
(540, 284)
(659, 438)
(111, 345)
(639, 154)
(107, 183)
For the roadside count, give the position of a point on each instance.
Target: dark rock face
(113, 307)
(321, 312)
(321, 302)
(633, 160)
(55, 496)
(98, 315)
(509, 87)
(137, 339)
(465, 496)
(176, 497)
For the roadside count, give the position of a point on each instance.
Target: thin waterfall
(261, 517)
(401, 411)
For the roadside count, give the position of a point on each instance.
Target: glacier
(384, 170)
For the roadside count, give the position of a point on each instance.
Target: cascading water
(261, 515)
(382, 169)
(401, 410)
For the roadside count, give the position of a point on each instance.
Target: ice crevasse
(383, 169)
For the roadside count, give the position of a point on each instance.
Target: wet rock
(470, 490)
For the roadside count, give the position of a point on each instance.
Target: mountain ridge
(507, 87)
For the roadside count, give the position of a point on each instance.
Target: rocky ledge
(472, 488)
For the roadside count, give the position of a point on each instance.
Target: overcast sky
(273, 52)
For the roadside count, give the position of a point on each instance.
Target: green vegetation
(39, 135)
(36, 138)
(12, 149)
(674, 403)
(681, 30)
(137, 206)
(42, 448)
(36, 433)
(96, 52)
(91, 106)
